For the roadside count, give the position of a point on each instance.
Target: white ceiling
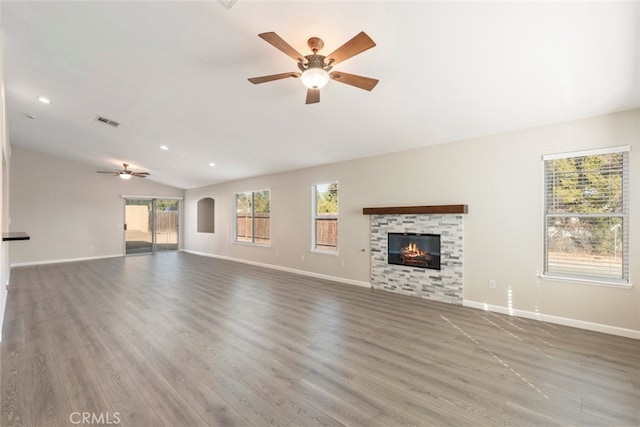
(175, 74)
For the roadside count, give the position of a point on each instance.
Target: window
(325, 217)
(586, 215)
(253, 221)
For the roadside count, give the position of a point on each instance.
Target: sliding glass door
(166, 225)
(151, 225)
(138, 226)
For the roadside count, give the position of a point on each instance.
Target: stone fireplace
(444, 284)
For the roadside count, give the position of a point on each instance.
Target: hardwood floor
(181, 340)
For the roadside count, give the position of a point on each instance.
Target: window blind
(586, 215)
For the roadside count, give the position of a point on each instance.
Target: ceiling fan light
(125, 176)
(315, 78)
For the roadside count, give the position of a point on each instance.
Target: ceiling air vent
(107, 121)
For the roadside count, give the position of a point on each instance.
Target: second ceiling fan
(126, 173)
(315, 70)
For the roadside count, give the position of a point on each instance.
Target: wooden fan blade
(264, 79)
(111, 172)
(313, 96)
(140, 174)
(276, 41)
(365, 83)
(356, 45)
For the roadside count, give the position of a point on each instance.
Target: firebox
(414, 250)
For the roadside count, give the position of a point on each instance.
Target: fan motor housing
(314, 61)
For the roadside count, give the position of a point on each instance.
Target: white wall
(69, 210)
(5, 154)
(499, 177)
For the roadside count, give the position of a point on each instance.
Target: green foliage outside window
(261, 202)
(327, 199)
(588, 184)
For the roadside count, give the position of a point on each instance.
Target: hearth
(414, 250)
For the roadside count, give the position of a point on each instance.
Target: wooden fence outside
(327, 233)
(261, 228)
(326, 230)
(167, 227)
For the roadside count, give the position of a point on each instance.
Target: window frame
(625, 279)
(315, 217)
(253, 241)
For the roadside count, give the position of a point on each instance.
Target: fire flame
(412, 250)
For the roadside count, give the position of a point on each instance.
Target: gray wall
(499, 177)
(69, 210)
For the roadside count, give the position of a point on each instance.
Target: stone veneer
(443, 285)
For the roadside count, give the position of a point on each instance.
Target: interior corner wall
(500, 177)
(69, 211)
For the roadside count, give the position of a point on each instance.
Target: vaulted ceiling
(175, 74)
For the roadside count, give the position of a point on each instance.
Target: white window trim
(593, 152)
(139, 197)
(321, 252)
(596, 282)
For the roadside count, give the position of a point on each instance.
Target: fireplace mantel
(403, 210)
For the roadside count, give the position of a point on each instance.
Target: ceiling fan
(315, 70)
(126, 173)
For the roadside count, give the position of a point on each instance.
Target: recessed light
(164, 147)
(44, 100)
(212, 164)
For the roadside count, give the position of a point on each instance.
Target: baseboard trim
(287, 269)
(565, 321)
(58, 261)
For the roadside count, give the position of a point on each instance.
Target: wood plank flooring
(182, 340)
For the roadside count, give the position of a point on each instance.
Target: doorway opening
(151, 225)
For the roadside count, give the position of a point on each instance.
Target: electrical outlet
(342, 263)
(302, 258)
(492, 284)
